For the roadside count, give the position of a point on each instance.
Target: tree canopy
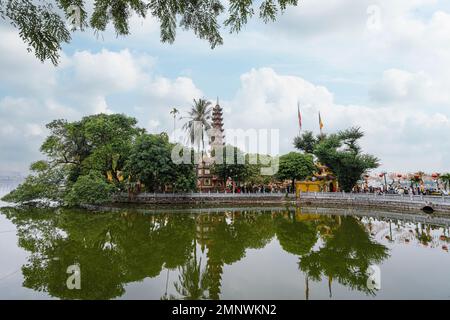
(150, 162)
(42, 24)
(306, 142)
(88, 160)
(294, 166)
(342, 154)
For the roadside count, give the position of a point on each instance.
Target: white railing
(307, 195)
(212, 195)
(377, 197)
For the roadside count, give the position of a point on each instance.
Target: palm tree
(445, 178)
(200, 115)
(174, 113)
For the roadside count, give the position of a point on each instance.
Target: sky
(383, 65)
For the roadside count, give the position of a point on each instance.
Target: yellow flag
(320, 121)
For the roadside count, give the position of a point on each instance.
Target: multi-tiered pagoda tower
(218, 138)
(207, 182)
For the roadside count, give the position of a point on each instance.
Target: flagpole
(299, 119)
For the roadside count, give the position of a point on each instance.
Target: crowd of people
(400, 189)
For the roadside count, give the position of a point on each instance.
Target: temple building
(324, 181)
(207, 182)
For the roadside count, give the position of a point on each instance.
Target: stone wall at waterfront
(439, 205)
(195, 198)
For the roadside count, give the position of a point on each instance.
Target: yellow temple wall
(313, 186)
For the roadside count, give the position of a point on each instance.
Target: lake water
(253, 253)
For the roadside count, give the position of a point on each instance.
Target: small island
(107, 158)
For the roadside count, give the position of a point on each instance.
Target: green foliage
(341, 153)
(199, 118)
(235, 166)
(295, 166)
(345, 256)
(99, 142)
(296, 237)
(42, 26)
(114, 250)
(44, 184)
(90, 189)
(150, 162)
(253, 174)
(306, 142)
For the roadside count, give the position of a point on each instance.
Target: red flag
(299, 116)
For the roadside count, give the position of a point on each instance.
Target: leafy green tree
(306, 142)
(150, 162)
(295, 166)
(42, 25)
(99, 143)
(235, 166)
(342, 154)
(44, 184)
(92, 188)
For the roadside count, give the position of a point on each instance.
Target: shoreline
(440, 205)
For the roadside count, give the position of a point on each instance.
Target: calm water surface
(272, 253)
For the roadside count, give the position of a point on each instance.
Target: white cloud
(403, 139)
(84, 83)
(106, 71)
(405, 66)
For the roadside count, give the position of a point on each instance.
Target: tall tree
(42, 25)
(174, 112)
(295, 166)
(306, 142)
(96, 147)
(235, 167)
(199, 121)
(342, 154)
(150, 162)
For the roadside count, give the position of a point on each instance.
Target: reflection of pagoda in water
(206, 225)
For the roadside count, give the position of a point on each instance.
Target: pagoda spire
(218, 139)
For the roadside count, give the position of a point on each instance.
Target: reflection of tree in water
(114, 249)
(345, 256)
(111, 249)
(226, 237)
(296, 236)
(192, 282)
